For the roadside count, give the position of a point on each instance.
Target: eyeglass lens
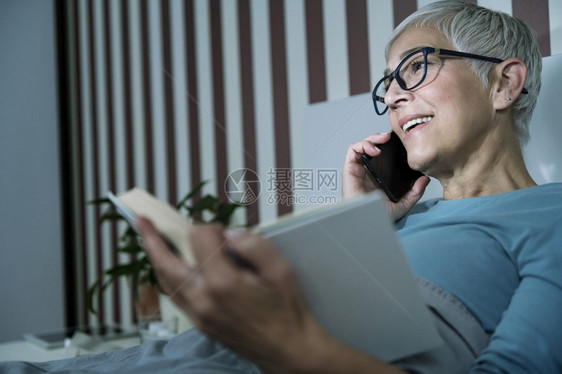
(413, 71)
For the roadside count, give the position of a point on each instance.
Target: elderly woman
(460, 87)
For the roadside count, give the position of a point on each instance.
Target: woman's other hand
(257, 310)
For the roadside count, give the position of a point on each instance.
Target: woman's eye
(417, 65)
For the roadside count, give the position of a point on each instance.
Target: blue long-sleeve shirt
(501, 256)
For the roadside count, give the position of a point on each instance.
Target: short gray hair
(474, 29)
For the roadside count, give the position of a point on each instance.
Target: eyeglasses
(415, 68)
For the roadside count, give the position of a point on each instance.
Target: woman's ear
(510, 81)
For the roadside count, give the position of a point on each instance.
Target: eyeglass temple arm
(440, 51)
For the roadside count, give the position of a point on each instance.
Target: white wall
(31, 272)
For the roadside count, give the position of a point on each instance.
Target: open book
(349, 263)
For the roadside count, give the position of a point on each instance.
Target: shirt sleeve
(528, 338)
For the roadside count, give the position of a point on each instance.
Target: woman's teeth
(412, 123)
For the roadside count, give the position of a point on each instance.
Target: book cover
(349, 263)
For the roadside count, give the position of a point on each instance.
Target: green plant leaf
(130, 249)
(91, 294)
(100, 290)
(224, 213)
(207, 202)
(190, 194)
(99, 201)
(129, 235)
(111, 215)
(125, 269)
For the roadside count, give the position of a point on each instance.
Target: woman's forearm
(324, 354)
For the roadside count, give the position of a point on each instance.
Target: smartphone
(390, 169)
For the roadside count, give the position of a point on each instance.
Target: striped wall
(164, 94)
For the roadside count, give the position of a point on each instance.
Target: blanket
(193, 352)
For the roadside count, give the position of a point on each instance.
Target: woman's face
(457, 104)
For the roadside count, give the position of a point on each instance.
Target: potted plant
(138, 270)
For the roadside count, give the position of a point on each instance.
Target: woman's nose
(396, 95)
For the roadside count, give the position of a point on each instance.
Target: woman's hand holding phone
(387, 172)
(355, 178)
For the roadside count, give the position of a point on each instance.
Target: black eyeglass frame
(425, 50)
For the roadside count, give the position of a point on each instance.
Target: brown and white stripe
(164, 94)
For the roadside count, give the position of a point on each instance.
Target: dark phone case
(391, 170)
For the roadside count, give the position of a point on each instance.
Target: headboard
(329, 127)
